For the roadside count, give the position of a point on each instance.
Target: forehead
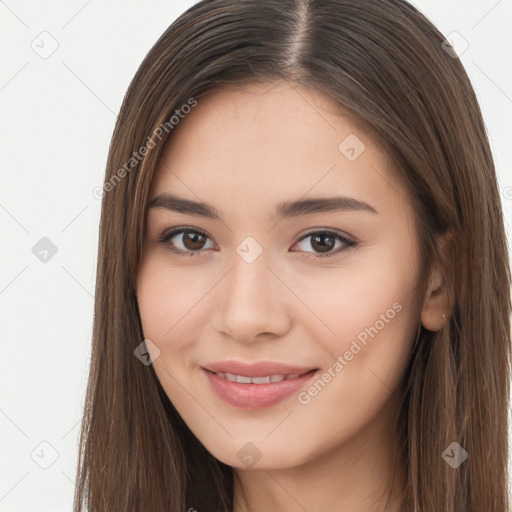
(258, 143)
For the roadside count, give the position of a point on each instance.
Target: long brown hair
(385, 64)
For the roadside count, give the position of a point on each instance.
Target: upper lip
(259, 369)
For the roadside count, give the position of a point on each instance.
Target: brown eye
(324, 243)
(193, 240)
(186, 242)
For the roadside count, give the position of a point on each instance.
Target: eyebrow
(284, 210)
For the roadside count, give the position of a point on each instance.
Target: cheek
(168, 304)
(372, 296)
(368, 320)
(368, 365)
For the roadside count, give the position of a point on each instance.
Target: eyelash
(168, 235)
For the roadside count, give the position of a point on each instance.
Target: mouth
(256, 386)
(263, 379)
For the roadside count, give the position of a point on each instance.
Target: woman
(302, 297)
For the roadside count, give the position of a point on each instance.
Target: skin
(244, 150)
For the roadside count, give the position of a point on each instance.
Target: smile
(243, 379)
(257, 391)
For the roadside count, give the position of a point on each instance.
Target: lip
(256, 396)
(259, 369)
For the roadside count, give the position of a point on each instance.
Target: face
(279, 277)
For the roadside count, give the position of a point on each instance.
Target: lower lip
(256, 396)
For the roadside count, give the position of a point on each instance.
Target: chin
(261, 455)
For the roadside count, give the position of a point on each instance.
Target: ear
(435, 311)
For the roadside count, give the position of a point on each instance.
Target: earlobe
(433, 323)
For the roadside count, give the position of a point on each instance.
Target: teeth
(242, 379)
(261, 380)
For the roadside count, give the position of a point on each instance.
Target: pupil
(322, 247)
(193, 240)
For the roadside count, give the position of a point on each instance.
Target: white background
(56, 120)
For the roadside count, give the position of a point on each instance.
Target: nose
(254, 303)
